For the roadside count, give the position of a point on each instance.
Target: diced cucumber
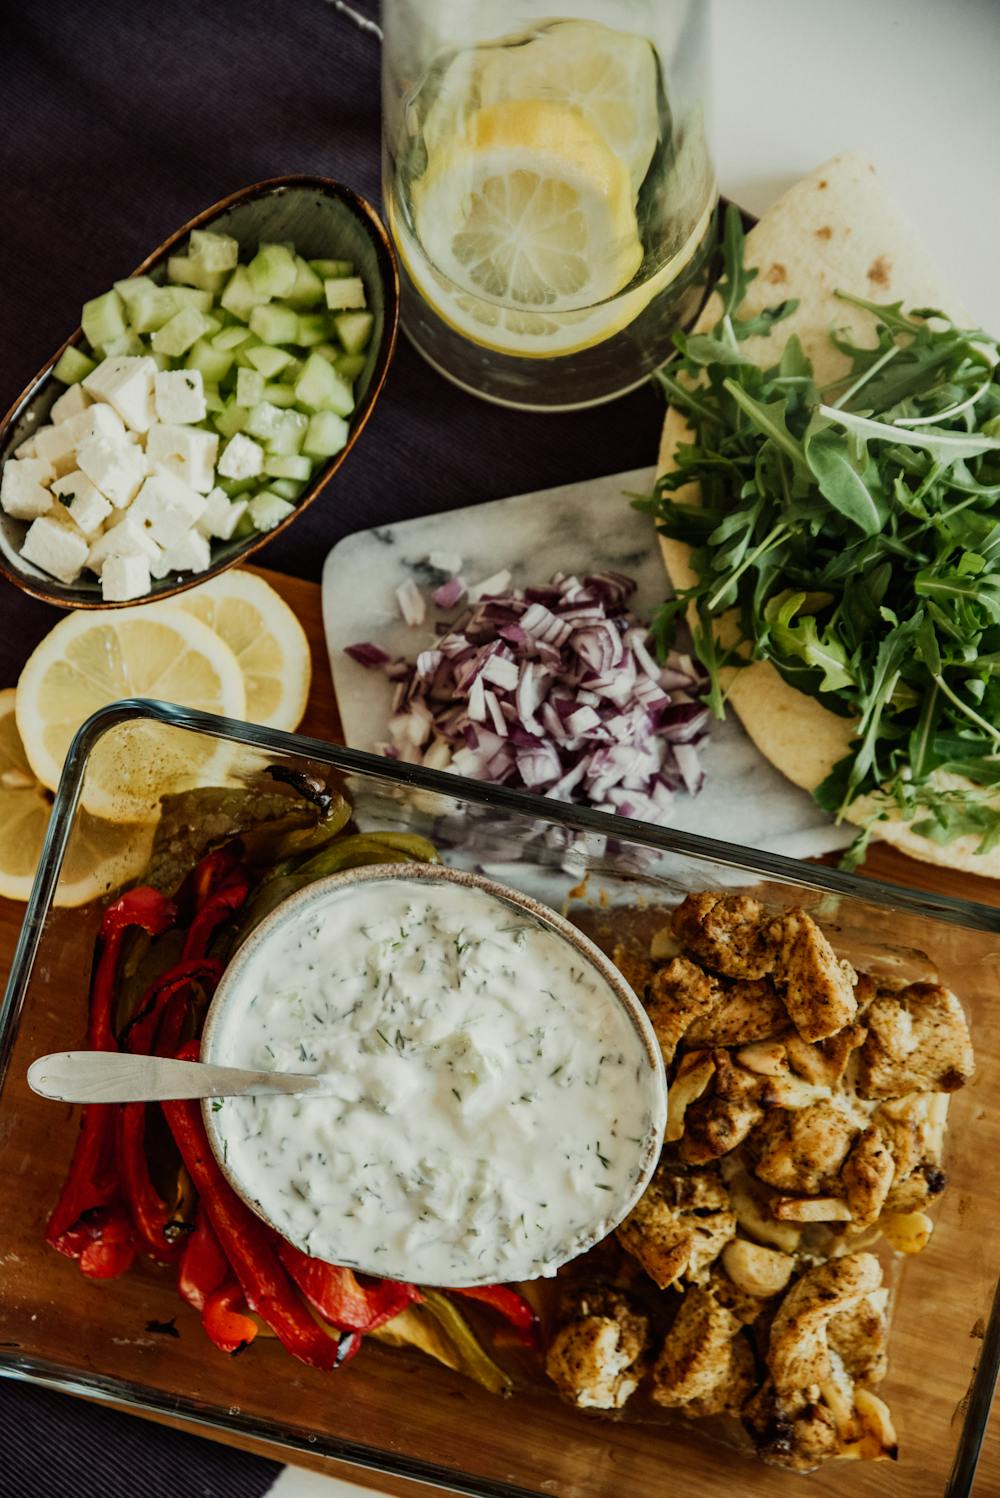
(188, 296)
(268, 509)
(129, 343)
(287, 466)
(274, 323)
(231, 420)
(235, 487)
(213, 362)
(149, 306)
(344, 293)
(287, 488)
(243, 352)
(213, 251)
(291, 371)
(273, 270)
(270, 361)
(265, 420)
(249, 387)
(180, 333)
(307, 289)
(162, 361)
(326, 434)
(329, 351)
(131, 288)
(184, 271)
(239, 296)
(286, 437)
(280, 395)
(213, 400)
(320, 387)
(212, 324)
(72, 366)
(231, 338)
(103, 319)
(244, 527)
(354, 329)
(314, 327)
(350, 365)
(327, 268)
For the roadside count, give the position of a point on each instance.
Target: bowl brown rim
(66, 596)
(318, 891)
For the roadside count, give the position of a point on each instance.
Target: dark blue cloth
(119, 119)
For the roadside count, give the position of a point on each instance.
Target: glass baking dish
(395, 1411)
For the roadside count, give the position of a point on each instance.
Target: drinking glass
(549, 188)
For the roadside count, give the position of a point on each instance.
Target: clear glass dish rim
(946, 908)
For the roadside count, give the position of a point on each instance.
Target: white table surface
(913, 82)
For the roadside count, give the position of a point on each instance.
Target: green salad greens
(854, 530)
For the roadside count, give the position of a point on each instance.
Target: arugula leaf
(842, 480)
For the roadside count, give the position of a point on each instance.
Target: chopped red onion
(554, 689)
(411, 603)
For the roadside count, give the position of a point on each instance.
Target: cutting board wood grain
(723, 1472)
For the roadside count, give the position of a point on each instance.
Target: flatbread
(837, 229)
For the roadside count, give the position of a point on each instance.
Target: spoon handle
(115, 1077)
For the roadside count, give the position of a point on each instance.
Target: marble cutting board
(585, 527)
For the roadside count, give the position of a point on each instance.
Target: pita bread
(837, 229)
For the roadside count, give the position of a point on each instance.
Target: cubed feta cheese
(268, 510)
(167, 508)
(55, 548)
(242, 458)
(70, 403)
(84, 502)
(124, 577)
(97, 421)
(180, 396)
(191, 554)
(187, 452)
(221, 515)
(117, 469)
(125, 537)
(57, 446)
(24, 489)
(126, 384)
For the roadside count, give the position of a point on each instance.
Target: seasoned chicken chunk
(798, 1354)
(746, 1010)
(803, 1149)
(707, 1365)
(724, 932)
(597, 1357)
(867, 1176)
(680, 1226)
(679, 993)
(917, 1041)
(817, 988)
(724, 1116)
(859, 1336)
(913, 1129)
(799, 1438)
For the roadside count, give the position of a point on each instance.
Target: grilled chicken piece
(746, 1010)
(724, 932)
(867, 1176)
(798, 1354)
(859, 1336)
(722, 1119)
(913, 1129)
(679, 993)
(597, 1358)
(707, 1365)
(825, 1062)
(680, 1225)
(918, 1041)
(802, 1150)
(817, 988)
(800, 1439)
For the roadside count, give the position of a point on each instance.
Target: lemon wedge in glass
(91, 659)
(101, 855)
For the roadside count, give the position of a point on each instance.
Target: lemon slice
(530, 208)
(267, 640)
(89, 660)
(609, 76)
(101, 855)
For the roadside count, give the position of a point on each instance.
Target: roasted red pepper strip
(511, 1306)
(92, 1185)
(151, 1216)
(247, 1242)
(222, 1319)
(219, 904)
(203, 1267)
(339, 1297)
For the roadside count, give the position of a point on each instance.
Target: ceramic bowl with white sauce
(497, 1099)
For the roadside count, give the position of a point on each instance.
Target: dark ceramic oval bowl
(325, 220)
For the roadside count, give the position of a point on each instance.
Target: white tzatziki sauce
(495, 1104)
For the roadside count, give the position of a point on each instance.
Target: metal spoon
(114, 1077)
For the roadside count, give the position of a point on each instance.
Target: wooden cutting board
(322, 721)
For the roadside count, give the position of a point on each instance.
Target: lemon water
(553, 214)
